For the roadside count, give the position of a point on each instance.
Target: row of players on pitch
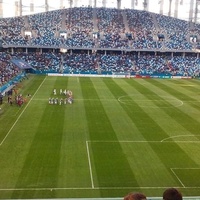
(65, 92)
(68, 97)
(60, 101)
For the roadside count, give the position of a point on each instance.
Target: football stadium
(100, 99)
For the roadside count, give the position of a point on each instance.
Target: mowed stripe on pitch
(105, 157)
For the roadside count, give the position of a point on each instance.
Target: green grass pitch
(119, 136)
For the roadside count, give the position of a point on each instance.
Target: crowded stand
(79, 26)
(111, 26)
(177, 32)
(11, 30)
(84, 63)
(178, 41)
(45, 26)
(41, 62)
(7, 70)
(99, 41)
(78, 63)
(74, 28)
(165, 65)
(115, 63)
(142, 29)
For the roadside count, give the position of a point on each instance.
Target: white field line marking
(129, 102)
(179, 136)
(21, 114)
(96, 188)
(142, 141)
(89, 162)
(78, 99)
(185, 168)
(113, 99)
(170, 99)
(177, 178)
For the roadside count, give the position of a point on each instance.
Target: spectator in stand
(135, 196)
(172, 194)
(7, 70)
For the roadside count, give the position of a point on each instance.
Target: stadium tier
(100, 28)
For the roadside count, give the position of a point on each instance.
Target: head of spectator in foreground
(135, 196)
(172, 194)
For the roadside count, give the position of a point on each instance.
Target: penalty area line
(89, 163)
(177, 177)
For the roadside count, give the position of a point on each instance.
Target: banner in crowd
(21, 64)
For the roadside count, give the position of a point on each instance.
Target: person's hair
(172, 194)
(135, 196)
